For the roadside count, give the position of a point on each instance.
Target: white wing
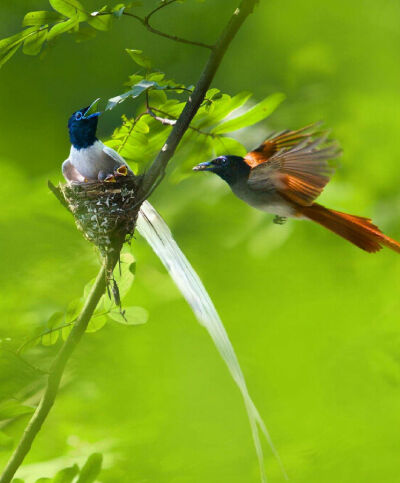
(70, 173)
(116, 157)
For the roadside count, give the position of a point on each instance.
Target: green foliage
(91, 468)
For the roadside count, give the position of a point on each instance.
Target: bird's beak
(92, 110)
(204, 166)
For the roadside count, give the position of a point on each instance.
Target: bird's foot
(279, 220)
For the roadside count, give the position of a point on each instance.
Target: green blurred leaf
(85, 32)
(18, 480)
(91, 468)
(66, 475)
(96, 323)
(100, 22)
(56, 320)
(63, 27)
(7, 54)
(256, 114)
(138, 57)
(226, 145)
(132, 315)
(43, 480)
(70, 8)
(135, 92)
(41, 17)
(73, 309)
(34, 42)
(11, 409)
(6, 442)
(118, 10)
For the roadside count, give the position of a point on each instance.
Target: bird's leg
(279, 220)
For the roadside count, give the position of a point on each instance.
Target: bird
(89, 159)
(285, 174)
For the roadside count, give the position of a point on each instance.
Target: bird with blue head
(285, 175)
(89, 159)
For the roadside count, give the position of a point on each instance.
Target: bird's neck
(82, 138)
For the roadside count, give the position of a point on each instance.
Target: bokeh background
(315, 321)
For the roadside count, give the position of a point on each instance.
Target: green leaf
(41, 17)
(6, 442)
(70, 8)
(7, 54)
(73, 309)
(66, 475)
(34, 42)
(132, 316)
(43, 480)
(135, 92)
(63, 27)
(100, 22)
(91, 468)
(224, 145)
(256, 114)
(142, 126)
(12, 409)
(18, 480)
(118, 10)
(96, 323)
(56, 320)
(85, 32)
(138, 57)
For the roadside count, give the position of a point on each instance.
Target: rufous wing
(298, 170)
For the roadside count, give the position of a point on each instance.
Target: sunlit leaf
(7, 54)
(135, 92)
(96, 323)
(66, 475)
(100, 22)
(70, 8)
(256, 114)
(138, 57)
(56, 320)
(130, 315)
(42, 17)
(225, 145)
(34, 42)
(91, 469)
(63, 27)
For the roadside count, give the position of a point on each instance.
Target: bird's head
(82, 126)
(230, 168)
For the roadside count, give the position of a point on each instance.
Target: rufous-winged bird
(286, 174)
(89, 159)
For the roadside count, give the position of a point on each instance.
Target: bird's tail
(356, 229)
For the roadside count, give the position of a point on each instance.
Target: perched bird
(89, 159)
(284, 176)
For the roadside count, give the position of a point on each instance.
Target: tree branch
(57, 369)
(157, 170)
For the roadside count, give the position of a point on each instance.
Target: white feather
(154, 229)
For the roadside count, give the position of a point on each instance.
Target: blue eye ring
(223, 161)
(78, 116)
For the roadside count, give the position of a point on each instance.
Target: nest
(105, 212)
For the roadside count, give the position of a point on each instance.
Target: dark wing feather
(298, 172)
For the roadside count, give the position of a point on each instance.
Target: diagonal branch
(157, 170)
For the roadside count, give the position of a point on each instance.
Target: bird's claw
(279, 220)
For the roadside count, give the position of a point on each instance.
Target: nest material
(105, 212)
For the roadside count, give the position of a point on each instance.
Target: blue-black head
(230, 168)
(82, 126)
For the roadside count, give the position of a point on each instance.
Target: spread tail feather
(356, 229)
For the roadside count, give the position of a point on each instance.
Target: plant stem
(157, 170)
(57, 370)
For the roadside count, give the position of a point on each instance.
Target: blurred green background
(314, 320)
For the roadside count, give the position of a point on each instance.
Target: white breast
(89, 161)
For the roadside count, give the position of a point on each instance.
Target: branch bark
(157, 170)
(150, 179)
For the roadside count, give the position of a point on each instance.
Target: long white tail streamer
(154, 229)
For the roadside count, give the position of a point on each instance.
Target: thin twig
(166, 121)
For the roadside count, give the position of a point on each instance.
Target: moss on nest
(105, 212)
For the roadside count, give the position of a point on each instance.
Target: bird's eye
(78, 116)
(224, 161)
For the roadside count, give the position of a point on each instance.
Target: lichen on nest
(105, 212)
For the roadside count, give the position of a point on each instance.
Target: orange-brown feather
(356, 229)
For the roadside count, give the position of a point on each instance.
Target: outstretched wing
(295, 163)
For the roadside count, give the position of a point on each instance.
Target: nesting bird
(284, 176)
(89, 159)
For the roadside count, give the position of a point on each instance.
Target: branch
(157, 170)
(57, 369)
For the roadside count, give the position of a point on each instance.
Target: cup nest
(105, 212)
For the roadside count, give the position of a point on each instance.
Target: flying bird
(89, 159)
(285, 175)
